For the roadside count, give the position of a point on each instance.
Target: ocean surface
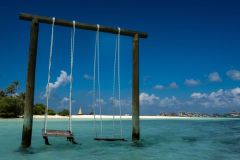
(205, 139)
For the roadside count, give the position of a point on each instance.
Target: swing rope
(114, 84)
(70, 91)
(49, 76)
(117, 62)
(99, 87)
(98, 101)
(119, 82)
(96, 70)
(94, 81)
(64, 133)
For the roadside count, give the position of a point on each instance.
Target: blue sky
(189, 62)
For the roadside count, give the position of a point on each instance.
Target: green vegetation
(64, 112)
(11, 103)
(11, 107)
(51, 112)
(39, 109)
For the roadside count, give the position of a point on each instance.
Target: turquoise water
(161, 139)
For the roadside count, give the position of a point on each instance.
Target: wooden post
(135, 90)
(29, 101)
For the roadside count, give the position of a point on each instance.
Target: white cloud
(219, 98)
(198, 95)
(148, 99)
(234, 74)
(173, 85)
(158, 87)
(115, 102)
(62, 79)
(236, 91)
(147, 79)
(192, 82)
(90, 92)
(64, 103)
(87, 77)
(151, 99)
(214, 77)
(100, 101)
(64, 100)
(169, 102)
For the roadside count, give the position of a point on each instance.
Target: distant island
(233, 114)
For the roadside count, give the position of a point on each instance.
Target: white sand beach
(106, 117)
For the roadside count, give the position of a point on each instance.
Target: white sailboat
(80, 111)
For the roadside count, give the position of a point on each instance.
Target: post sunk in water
(135, 90)
(29, 101)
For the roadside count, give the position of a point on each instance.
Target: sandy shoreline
(91, 117)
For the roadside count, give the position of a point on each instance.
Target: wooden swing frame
(32, 59)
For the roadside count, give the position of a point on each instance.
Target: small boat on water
(80, 111)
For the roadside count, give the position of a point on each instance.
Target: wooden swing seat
(58, 133)
(110, 139)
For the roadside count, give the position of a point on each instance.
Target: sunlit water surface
(211, 139)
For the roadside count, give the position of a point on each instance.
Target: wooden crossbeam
(93, 27)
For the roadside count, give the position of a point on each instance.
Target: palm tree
(16, 85)
(12, 88)
(2, 93)
(22, 96)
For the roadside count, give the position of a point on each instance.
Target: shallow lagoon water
(212, 139)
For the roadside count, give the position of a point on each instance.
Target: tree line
(12, 103)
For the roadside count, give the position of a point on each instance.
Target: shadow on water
(190, 139)
(139, 144)
(51, 147)
(232, 141)
(235, 128)
(150, 142)
(59, 147)
(25, 150)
